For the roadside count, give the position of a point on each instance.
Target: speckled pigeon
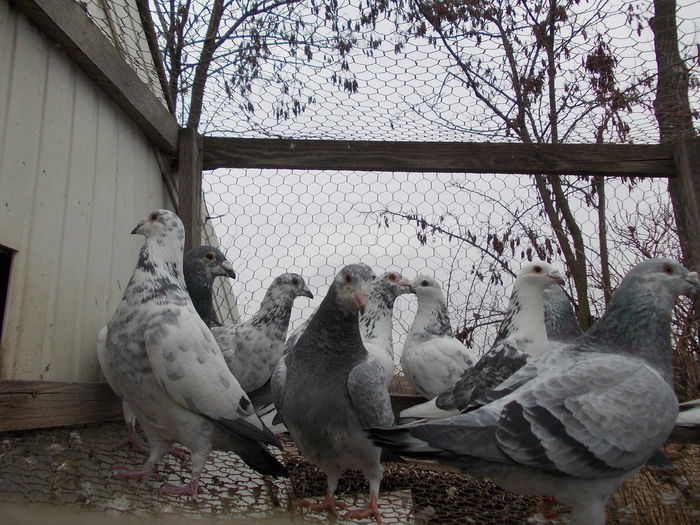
(433, 359)
(574, 423)
(161, 358)
(253, 348)
(201, 266)
(521, 334)
(330, 388)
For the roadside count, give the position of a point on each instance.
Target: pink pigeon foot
(144, 474)
(329, 503)
(132, 440)
(548, 508)
(190, 489)
(179, 452)
(371, 510)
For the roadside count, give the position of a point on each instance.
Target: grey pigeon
(329, 388)
(559, 318)
(433, 359)
(577, 422)
(253, 348)
(201, 266)
(161, 358)
(687, 427)
(522, 333)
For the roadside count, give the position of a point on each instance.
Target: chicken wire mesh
(63, 475)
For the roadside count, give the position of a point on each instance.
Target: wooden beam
(41, 404)
(552, 159)
(189, 180)
(64, 22)
(687, 192)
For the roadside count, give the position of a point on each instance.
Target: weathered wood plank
(687, 157)
(189, 180)
(66, 24)
(553, 159)
(42, 404)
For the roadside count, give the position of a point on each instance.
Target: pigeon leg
(371, 510)
(132, 439)
(329, 503)
(199, 458)
(179, 452)
(158, 448)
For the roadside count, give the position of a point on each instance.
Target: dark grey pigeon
(330, 388)
(521, 334)
(582, 420)
(559, 318)
(160, 357)
(202, 265)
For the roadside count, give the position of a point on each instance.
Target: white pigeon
(161, 358)
(433, 359)
(522, 333)
(329, 388)
(574, 423)
(253, 348)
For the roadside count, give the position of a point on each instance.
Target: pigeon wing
(597, 415)
(368, 393)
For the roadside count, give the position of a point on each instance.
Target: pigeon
(201, 266)
(375, 320)
(522, 333)
(560, 320)
(433, 359)
(329, 388)
(160, 357)
(253, 348)
(577, 422)
(376, 327)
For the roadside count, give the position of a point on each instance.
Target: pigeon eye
(295, 281)
(668, 269)
(348, 278)
(154, 216)
(209, 256)
(393, 277)
(537, 269)
(424, 283)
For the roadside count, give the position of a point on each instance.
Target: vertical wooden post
(687, 159)
(189, 178)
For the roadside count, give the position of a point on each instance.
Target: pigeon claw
(134, 442)
(329, 503)
(143, 474)
(190, 489)
(371, 510)
(179, 452)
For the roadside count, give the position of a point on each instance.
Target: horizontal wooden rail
(65, 23)
(554, 159)
(42, 404)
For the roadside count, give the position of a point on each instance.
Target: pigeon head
(161, 224)
(206, 263)
(665, 278)
(351, 287)
(391, 285)
(292, 284)
(427, 289)
(539, 273)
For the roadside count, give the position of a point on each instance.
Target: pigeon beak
(406, 286)
(307, 293)
(136, 230)
(228, 268)
(692, 280)
(361, 297)
(556, 277)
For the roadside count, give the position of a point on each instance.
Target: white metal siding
(75, 176)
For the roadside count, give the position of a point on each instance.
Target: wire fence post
(189, 176)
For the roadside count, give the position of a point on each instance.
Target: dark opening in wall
(5, 263)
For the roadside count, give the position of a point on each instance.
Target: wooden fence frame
(36, 404)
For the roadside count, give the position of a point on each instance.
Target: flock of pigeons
(547, 410)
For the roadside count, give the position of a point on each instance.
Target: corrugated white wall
(75, 176)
